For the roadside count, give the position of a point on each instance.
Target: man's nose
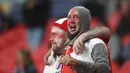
(71, 21)
(51, 38)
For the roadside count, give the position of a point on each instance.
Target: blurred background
(25, 25)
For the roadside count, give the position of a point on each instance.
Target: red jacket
(67, 69)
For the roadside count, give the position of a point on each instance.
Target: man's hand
(79, 43)
(46, 57)
(68, 60)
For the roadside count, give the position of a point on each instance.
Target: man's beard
(57, 52)
(56, 48)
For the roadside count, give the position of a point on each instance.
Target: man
(57, 38)
(95, 55)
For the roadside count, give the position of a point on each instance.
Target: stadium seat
(115, 67)
(125, 67)
(125, 40)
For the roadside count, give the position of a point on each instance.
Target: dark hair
(29, 67)
(27, 56)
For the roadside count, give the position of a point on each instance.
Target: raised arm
(100, 32)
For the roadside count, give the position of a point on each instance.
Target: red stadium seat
(10, 42)
(113, 21)
(125, 40)
(38, 56)
(125, 67)
(115, 67)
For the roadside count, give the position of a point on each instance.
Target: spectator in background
(6, 21)
(124, 27)
(119, 22)
(24, 63)
(1, 19)
(35, 15)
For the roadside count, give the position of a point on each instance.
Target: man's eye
(53, 34)
(76, 16)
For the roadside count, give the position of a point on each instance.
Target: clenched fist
(68, 60)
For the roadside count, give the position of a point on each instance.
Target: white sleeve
(90, 45)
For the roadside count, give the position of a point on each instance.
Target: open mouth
(72, 28)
